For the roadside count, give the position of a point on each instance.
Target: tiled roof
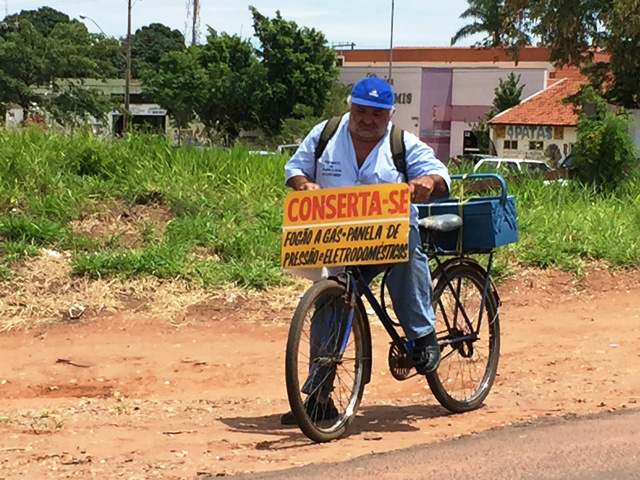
(543, 108)
(570, 72)
(444, 55)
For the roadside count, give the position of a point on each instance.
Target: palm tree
(494, 18)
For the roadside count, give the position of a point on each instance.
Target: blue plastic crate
(487, 222)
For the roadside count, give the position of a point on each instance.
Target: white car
(510, 165)
(289, 148)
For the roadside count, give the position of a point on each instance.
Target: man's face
(368, 123)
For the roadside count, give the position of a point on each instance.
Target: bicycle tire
(349, 369)
(475, 362)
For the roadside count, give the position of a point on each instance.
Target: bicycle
(338, 365)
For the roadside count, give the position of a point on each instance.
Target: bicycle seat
(441, 223)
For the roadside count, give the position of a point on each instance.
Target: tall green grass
(225, 203)
(568, 225)
(226, 211)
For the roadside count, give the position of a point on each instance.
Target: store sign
(360, 225)
(149, 110)
(435, 132)
(529, 132)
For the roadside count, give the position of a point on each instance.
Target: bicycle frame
(456, 294)
(356, 286)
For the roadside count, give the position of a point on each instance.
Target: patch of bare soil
(128, 223)
(44, 292)
(143, 395)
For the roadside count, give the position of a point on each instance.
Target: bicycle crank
(400, 364)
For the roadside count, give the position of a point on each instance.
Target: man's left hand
(421, 188)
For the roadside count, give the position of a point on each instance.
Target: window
(469, 142)
(535, 167)
(536, 145)
(510, 144)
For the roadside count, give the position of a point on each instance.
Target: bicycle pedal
(400, 365)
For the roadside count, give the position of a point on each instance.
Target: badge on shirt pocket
(331, 168)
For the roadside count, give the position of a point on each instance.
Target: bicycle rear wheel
(324, 380)
(469, 362)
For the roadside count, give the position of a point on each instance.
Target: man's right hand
(300, 182)
(309, 186)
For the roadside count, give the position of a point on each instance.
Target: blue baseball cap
(372, 92)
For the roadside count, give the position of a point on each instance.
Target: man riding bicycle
(360, 153)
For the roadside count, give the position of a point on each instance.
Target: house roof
(444, 55)
(543, 108)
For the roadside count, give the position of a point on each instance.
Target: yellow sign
(346, 226)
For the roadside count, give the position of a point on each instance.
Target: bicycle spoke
(466, 370)
(328, 377)
(351, 377)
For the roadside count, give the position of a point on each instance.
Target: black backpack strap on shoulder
(398, 150)
(328, 132)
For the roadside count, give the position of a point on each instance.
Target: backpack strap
(328, 132)
(398, 150)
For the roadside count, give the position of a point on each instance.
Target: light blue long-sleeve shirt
(338, 167)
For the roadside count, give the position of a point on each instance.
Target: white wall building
(541, 127)
(441, 91)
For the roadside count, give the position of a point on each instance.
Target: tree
(574, 30)
(150, 43)
(221, 83)
(621, 74)
(74, 103)
(44, 19)
(179, 84)
(504, 28)
(507, 95)
(107, 53)
(300, 69)
(237, 85)
(296, 128)
(604, 153)
(567, 27)
(39, 63)
(23, 64)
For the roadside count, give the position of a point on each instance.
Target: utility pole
(196, 22)
(390, 79)
(127, 80)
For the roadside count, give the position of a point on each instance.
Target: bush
(604, 153)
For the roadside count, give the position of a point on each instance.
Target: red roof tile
(543, 108)
(570, 72)
(444, 54)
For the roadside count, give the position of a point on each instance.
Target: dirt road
(136, 397)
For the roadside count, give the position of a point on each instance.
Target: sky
(365, 23)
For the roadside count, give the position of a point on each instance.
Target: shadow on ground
(373, 419)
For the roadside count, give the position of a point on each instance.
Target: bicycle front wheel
(470, 349)
(324, 363)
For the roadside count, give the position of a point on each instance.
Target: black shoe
(317, 412)
(426, 354)
(288, 419)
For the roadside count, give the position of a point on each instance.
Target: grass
(140, 207)
(224, 207)
(568, 225)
